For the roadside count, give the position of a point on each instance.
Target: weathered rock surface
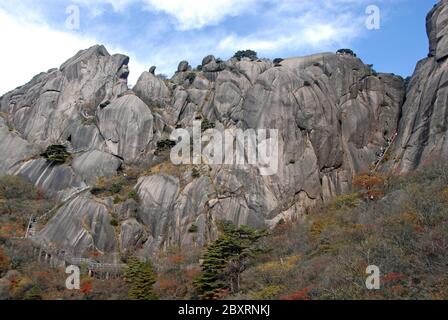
(152, 90)
(422, 135)
(158, 194)
(46, 110)
(59, 181)
(95, 164)
(131, 235)
(13, 148)
(81, 226)
(333, 113)
(127, 125)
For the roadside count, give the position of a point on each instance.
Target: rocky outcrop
(131, 235)
(152, 90)
(14, 148)
(422, 135)
(127, 125)
(46, 110)
(95, 164)
(334, 116)
(82, 226)
(58, 181)
(158, 194)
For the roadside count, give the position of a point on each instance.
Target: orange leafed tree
(371, 184)
(368, 181)
(86, 287)
(299, 295)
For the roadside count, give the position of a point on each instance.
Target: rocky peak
(335, 116)
(437, 27)
(423, 127)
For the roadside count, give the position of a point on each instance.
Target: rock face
(14, 149)
(57, 180)
(334, 115)
(152, 90)
(95, 164)
(127, 125)
(52, 105)
(82, 226)
(423, 128)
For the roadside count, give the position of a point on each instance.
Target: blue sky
(163, 32)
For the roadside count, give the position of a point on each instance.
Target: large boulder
(127, 125)
(158, 194)
(131, 235)
(80, 227)
(56, 180)
(152, 90)
(95, 164)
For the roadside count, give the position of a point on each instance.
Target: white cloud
(30, 47)
(117, 5)
(195, 14)
(274, 27)
(295, 34)
(188, 14)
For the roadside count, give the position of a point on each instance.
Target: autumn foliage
(4, 261)
(299, 295)
(370, 184)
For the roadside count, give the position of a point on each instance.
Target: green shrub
(347, 52)
(56, 153)
(33, 294)
(117, 199)
(165, 145)
(114, 222)
(246, 54)
(133, 194)
(278, 61)
(116, 187)
(346, 201)
(193, 228)
(206, 124)
(195, 173)
(191, 77)
(97, 190)
(267, 293)
(16, 187)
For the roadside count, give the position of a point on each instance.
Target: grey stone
(131, 235)
(152, 90)
(95, 164)
(80, 227)
(127, 125)
(183, 66)
(56, 180)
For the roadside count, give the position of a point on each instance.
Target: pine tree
(225, 260)
(141, 278)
